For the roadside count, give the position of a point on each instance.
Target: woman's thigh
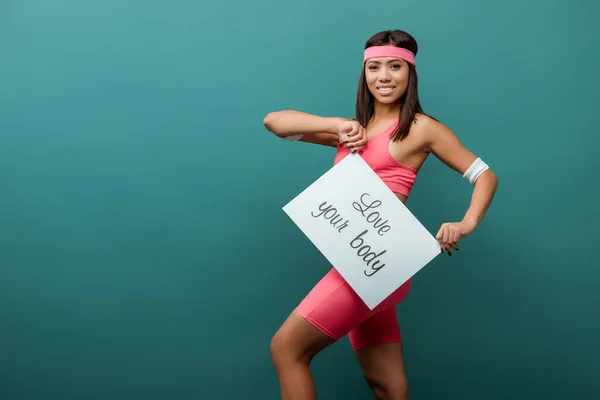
(333, 307)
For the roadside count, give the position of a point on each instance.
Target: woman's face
(387, 79)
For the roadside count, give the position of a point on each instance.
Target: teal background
(143, 250)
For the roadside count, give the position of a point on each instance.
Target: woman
(394, 136)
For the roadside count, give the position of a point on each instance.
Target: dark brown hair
(409, 100)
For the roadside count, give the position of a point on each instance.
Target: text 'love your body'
(366, 208)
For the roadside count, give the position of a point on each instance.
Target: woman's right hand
(352, 134)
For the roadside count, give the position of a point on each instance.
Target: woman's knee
(281, 348)
(389, 389)
(297, 341)
(286, 348)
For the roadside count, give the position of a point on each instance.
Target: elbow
(494, 178)
(490, 178)
(269, 121)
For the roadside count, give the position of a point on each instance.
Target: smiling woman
(382, 89)
(394, 137)
(389, 76)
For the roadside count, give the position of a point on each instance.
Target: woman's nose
(384, 75)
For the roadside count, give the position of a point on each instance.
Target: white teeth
(384, 89)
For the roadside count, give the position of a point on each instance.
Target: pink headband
(389, 51)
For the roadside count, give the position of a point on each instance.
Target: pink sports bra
(397, 176)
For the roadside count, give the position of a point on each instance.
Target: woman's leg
(331, 310)
(292, 349)
(383, 368)
(378, 348)
(328, 312)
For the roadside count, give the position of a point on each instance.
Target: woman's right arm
(291, 124)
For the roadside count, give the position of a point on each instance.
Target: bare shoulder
(441, 141)
(427, 128)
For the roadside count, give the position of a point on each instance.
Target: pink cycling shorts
(334, 308)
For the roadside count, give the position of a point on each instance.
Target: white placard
(363, 229)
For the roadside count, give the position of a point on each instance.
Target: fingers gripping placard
(362, 228)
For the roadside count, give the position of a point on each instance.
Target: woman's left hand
(451, 232)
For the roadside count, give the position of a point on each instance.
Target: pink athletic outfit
(332, 306)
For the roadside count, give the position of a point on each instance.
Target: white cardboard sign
(363, 229)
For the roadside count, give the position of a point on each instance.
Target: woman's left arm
(445, 145)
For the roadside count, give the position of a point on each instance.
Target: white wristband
(477, 168)
(293, 138)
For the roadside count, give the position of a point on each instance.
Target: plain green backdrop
(143, 250)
